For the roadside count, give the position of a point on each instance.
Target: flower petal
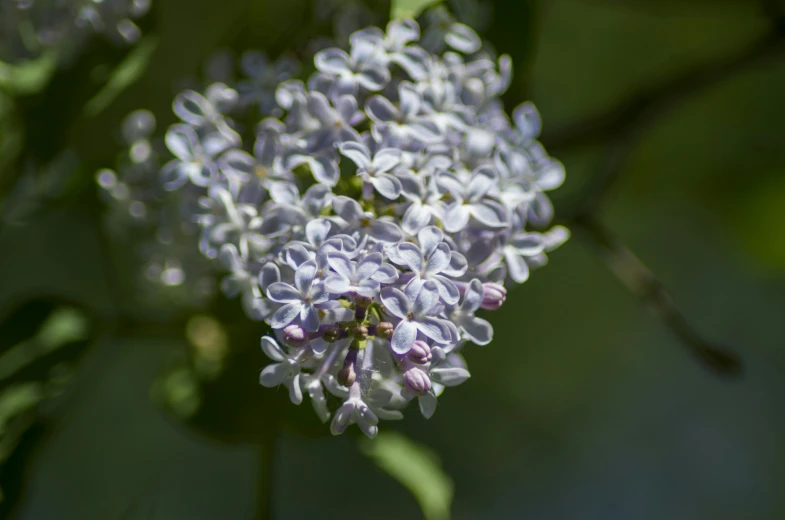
(358, 153)
(285, 315)
(283, 293)
(387, 185)
(310, 318)
(478, 330)
(384, 231)
(403, 337)
(395, 302)
(409, 255)
(273, 375)
(450, 376)
(271, 349)
(304, 276)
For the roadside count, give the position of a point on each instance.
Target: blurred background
(122, 399)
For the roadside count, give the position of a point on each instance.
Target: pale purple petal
(516, 265)
(456, 217)
(341, 264)
(283, 293)
(368, 266)
(426, 298)
(462, 38)
(368, 288)
(435, 329)
(332, 61)
(448, 292)
(409, 255)
(295, 392)
(403, 337)
(273, 375)
(439, 259)
(348, 209)
(271, 349)
(337, 285)
(395, 302)
(453, 376)
(385, 160)
(309, 318)
(478, 330)
(358, 153)
(182, 141)
(303, 277)
(491, 215)
(385, 231)
(317, 230)
(285, 315)
(381, 110)
(472, 299)
(415, 218)
(387, 185)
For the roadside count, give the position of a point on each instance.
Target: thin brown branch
(651, 102)
(641, 281)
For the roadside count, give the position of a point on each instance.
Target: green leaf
(409, 8)
(126, 73)
(417, 468)
(28, 77)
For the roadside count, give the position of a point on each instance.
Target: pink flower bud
(493, 295)
(417, 380)
(385, 330)
(420, 352)
(295, 336)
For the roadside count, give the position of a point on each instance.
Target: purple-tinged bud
(360, 332)
(347, 375)
(331, 334)
(295, 336)
(493, 295)
(384, 330)
(417, 380)
(420, 352)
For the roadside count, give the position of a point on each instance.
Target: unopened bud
(360, 332)
(417, 380)
(384, 330)
(493, 295)
(420, 352)
(331, 334)
(347, 374)
(295, 336)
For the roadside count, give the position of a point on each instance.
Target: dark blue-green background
(583, 407)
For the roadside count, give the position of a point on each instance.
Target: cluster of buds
(370, 214)
(29, 28)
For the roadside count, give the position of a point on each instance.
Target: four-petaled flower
(299, 300)
(417, 307)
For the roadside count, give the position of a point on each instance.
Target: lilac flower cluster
(29, 28)
(380, 205)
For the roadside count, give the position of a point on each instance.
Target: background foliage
(668, 116)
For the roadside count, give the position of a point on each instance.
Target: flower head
(373, 220)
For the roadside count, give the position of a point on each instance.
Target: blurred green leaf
(409, 8)
(64, 326)
(30, 76)
(41, 341)
(417, 468)
(126, 73)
